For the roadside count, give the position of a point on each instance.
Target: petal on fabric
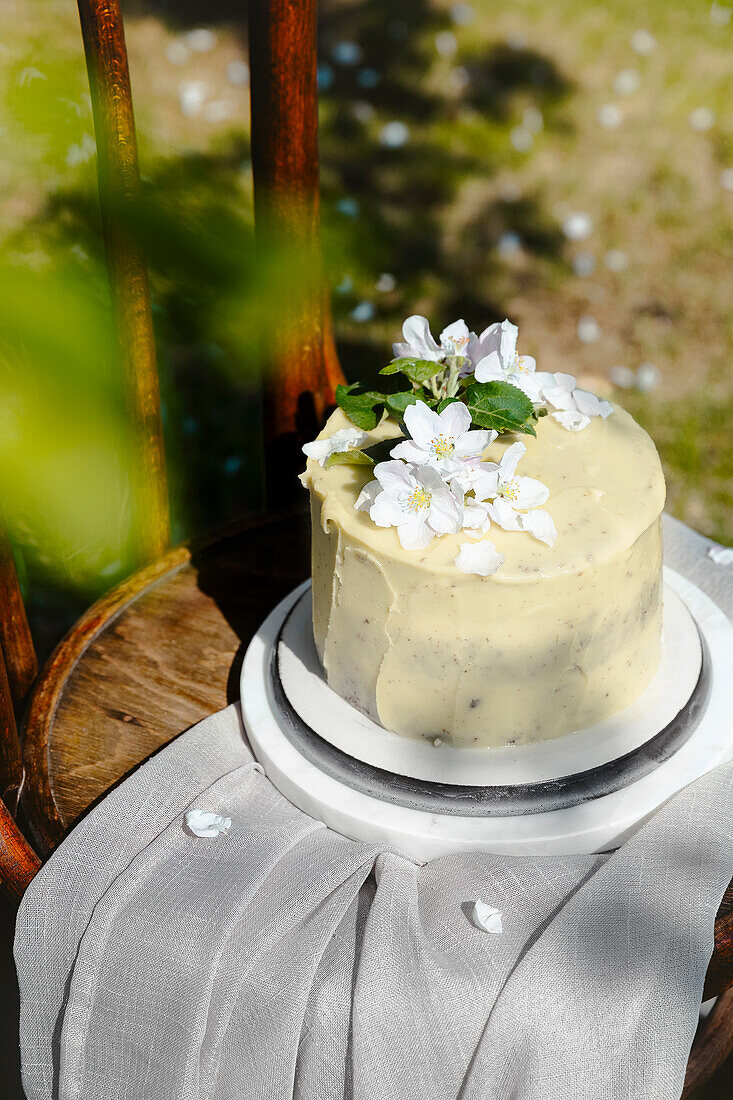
(509, 460)
(504, 515)
(203, 823)
(571, 420)
(540, 524)
(487, 918)
(721, 555)
(417, 334)
(394, 476)
(455, 420)
(423, 423)
(415, 534)
(531, 493)
(479, 557)
(489, 369)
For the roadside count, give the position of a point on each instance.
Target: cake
(487, 636)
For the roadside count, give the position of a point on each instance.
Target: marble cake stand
(584, 792)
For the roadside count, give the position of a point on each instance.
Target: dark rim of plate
(504, 800)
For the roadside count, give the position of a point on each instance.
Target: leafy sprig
(496, 405)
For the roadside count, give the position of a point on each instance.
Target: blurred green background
(567, 165)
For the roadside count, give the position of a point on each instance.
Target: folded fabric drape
(281, 960)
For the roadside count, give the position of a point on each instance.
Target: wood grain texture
(713, 1044)
(11, 767)
(151, 659)
(15, 635)
(18, 862)
(303, 373)
(720, 970)
(117, 165)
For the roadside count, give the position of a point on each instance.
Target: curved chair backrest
(301, 379)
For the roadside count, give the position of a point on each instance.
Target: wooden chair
(163, 650)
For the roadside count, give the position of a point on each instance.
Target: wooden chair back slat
(15, 637)
(11, 765)
(304, 370)
(119, 180)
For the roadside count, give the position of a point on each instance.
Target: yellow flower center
(518, 366)
(419, 499)
(443, 446)
(511, 489)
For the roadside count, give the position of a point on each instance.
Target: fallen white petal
(721, 555)
(571, 420)
(343, 440)
(486, 917)
(539, 523)
(205, 824)
(479, 557)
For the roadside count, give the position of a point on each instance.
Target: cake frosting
(559, 638)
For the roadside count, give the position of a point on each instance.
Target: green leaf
(398, 402)
(501, 407)
(380, 452)
(363, 407)
(353, 457)
(417, 370)
(446, 402)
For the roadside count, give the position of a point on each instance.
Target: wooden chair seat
(148, 661)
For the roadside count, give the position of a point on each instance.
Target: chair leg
(18, 862)
(713, 1044)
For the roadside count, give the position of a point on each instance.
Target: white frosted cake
(535, 612)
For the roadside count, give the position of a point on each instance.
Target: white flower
(415, 500)
(479, 557)
(515, 502)
(486, 917)
(575, 407)
(476, 518)
(419, 342)
(442, 440)
(343, 440)
(205, 824)
(500, 362)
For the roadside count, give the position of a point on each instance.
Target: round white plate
(386, 817)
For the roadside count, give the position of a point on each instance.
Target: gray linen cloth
(283, 960)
